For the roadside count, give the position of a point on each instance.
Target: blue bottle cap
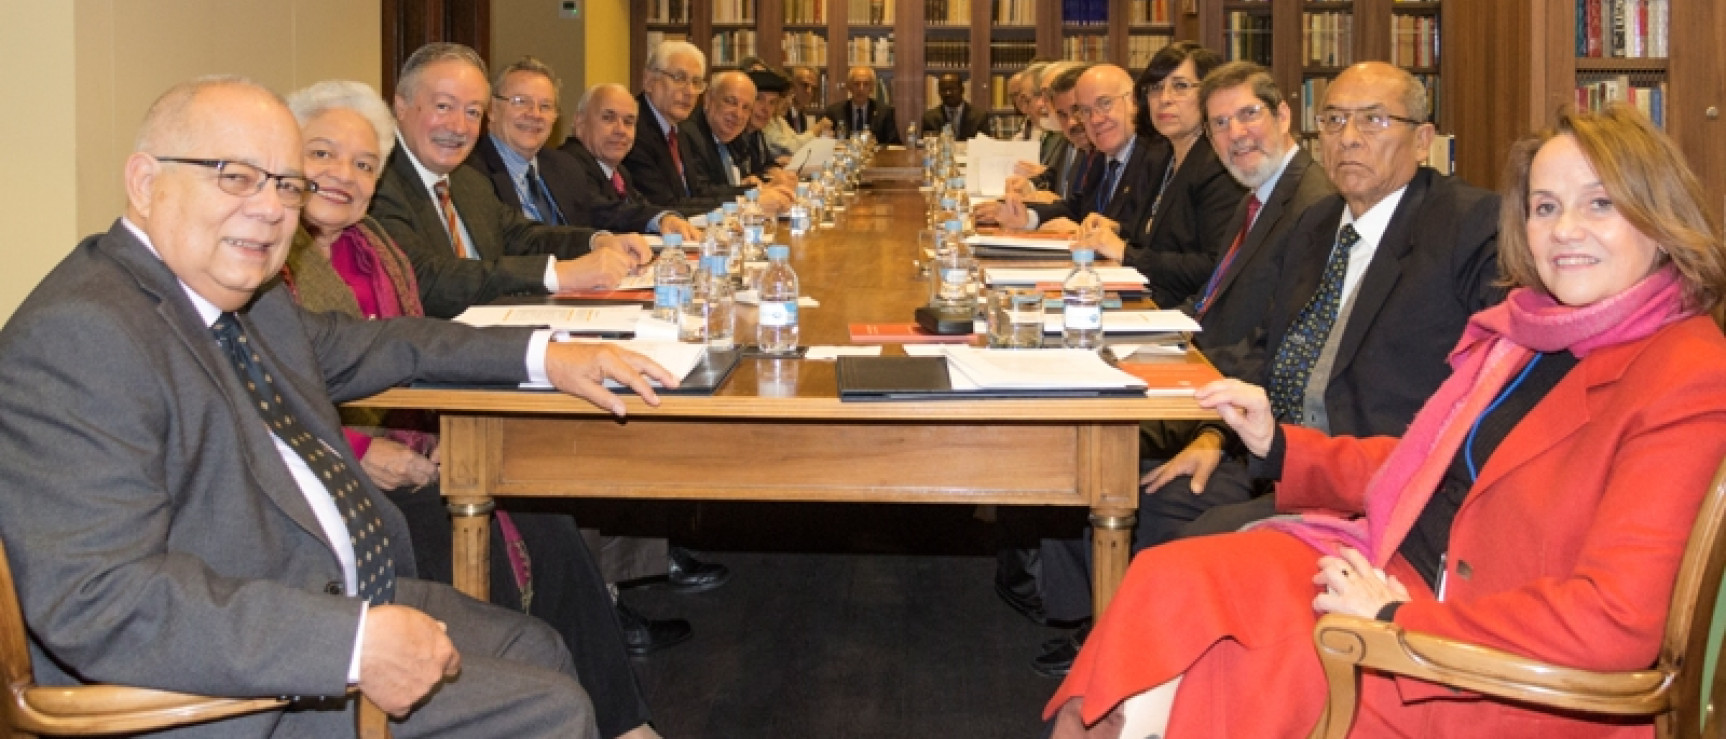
(954, 225)
(673, 239)
(729, 208)
(753, 194)
(779, 251)
(1084, 256)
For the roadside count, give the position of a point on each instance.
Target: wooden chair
(1676, 691)
(30, 710)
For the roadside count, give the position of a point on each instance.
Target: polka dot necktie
(1305, 340)
(375, 568)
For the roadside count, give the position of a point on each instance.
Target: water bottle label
(1084, 317)
(777, 313)
(670, 295)
(752, 234)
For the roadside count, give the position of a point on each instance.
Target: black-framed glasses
(1104, 105)
(1369, 120)
(523, 104)
(1247, 116)
(245, 180)
(682, 79)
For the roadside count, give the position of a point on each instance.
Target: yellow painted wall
(86, 71)
(607, 41)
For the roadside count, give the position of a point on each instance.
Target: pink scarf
(1496, 344)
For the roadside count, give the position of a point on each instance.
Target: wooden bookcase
(911, 33)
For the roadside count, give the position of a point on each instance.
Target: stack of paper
(586, 319)
(989, 162)
(973, 368)
(1133, 322)
(1112, 276)
(1028, 244)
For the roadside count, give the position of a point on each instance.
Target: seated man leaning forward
(175, 495)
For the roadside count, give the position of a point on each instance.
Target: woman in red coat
(1539, 503)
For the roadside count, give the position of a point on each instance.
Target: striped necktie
(449, 220)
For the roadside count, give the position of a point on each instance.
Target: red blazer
(1567, 547)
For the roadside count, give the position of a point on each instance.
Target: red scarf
(1496, 344)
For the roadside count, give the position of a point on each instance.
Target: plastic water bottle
(952, 268)
(776, 323)
(961, 204)
(818, 216)
(721, 309)
(754, 225)
(692, 323)
(671, 279)
(800, 223)
(1082, 304)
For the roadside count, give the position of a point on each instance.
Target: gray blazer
(157, 538)
(512, 248)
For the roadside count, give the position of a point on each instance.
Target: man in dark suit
(1374, 286)
(467, 246)
(953, 111)
(674, 78)
(1103, 102)
(860, 111)
(602, 132)
(750, 149)
(547, 185)
(804, 112)
(708, 137)
(171, 479)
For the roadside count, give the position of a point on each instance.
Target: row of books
(1650, 98)
(947, 12)
(1015, 12)
(1085, 48)
(807, 12)
(1327, 39)
(870, 12)
(1141, 47)
(733, 11)
(1085, 12)
(804, 48)
(655, 38)
(1414, 40)
(1149, 11)
(947, 54)
(871, 51)
(1247, 37)
(731, 47)
(998, 97)
(668, 11)
(1630, 29)
(1312, 99)
(1011, 54)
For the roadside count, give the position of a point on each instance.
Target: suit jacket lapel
(1270, 213)
(427, 217)
(262, 460)
(1303, 264)
(1384, 271)
(1563, 412)
(476, 204)
(497, 173)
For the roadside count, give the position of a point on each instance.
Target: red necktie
(617, 181)
(1223, 266)
(677, 159)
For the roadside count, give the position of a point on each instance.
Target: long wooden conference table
(777, 431)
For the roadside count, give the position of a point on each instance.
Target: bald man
(170, 482)
(713, 167)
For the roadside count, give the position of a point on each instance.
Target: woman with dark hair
(1188, 227)
(1539, 504)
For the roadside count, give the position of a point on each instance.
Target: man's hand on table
(581, 369)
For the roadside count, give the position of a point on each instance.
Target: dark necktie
(1204, 303)
(1107, 192)
(795, 119)
(373, 565)
(543, 210)
(1306, 338)
(861, 116)
(617, 183)
(677, 159)
(449, 219)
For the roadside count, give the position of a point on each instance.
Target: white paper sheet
(586, 319)
(990, 162)
(1133, 322)
(831, 353)
(973, 368)
(1035, 275)
(812, 156)
(1055, 246)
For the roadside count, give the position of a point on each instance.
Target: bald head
(222, 237)
(1383, 136)
(1103, 104)
(729, 104)
(605, 121)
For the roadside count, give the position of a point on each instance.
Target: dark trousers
(568, 594)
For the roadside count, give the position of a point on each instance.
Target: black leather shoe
(1058, 660)
(687, 574)
(1023, 597)
(642, 635)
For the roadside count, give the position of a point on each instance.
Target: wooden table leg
(1111, 546)
(470, 525)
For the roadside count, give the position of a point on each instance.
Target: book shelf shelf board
(1313, 6)
(1621, 64)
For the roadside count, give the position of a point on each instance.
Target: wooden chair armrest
(370, 722)
(1347, 642)
(112, 709)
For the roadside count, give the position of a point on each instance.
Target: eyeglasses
(1247, 116)
(681, 79)
(1370, 121)
(244, 180)
(523, 104)
(1104, 106)
(1180, 88)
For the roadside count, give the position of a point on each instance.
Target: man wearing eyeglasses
(466, 245)
(673, 79)
(548, 184)
(169, 482)
(1103, 103)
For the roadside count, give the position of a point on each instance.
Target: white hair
(663, 53)
(358, 97)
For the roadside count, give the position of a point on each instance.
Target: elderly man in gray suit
(175, 495)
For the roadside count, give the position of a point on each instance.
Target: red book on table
(901, 333)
